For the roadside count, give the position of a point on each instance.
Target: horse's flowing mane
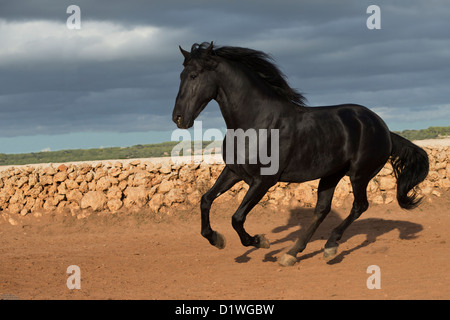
(260, 63)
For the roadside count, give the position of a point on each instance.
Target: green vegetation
(138, 151)
(430, 133)
(157, 150)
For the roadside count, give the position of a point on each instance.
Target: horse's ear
(210, 60)
(186, 54)
(209, 50)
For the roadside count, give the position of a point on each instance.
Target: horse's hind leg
(325, 192)
(224, 182)
(360, 204)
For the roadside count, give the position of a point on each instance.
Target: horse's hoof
(221, 242)
(330, 253)
(287, 260)
(263, 242)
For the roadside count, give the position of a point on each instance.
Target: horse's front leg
(224, 182)
(255, 193)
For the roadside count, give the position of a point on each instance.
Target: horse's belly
(311, 168)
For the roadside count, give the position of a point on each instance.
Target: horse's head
(198, 85)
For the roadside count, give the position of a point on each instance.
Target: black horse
(312, 142)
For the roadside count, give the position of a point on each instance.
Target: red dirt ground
(136, 256)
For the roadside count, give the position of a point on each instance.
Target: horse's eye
(193, 76)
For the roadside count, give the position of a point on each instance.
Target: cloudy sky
(114, 81)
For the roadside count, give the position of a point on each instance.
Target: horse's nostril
(178, 119)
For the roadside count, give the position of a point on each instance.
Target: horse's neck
(238, 98)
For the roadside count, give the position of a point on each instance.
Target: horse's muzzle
(178, 119)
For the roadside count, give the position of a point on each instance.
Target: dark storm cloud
(120, 71)
(182, 12)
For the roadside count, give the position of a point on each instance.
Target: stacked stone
(120, 185)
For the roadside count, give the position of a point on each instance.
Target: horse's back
(333, 138)
(368, 138)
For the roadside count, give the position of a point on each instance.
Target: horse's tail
(410, 164)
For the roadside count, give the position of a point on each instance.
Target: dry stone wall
(115, 186)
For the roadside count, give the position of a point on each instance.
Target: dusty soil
(138, 256)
